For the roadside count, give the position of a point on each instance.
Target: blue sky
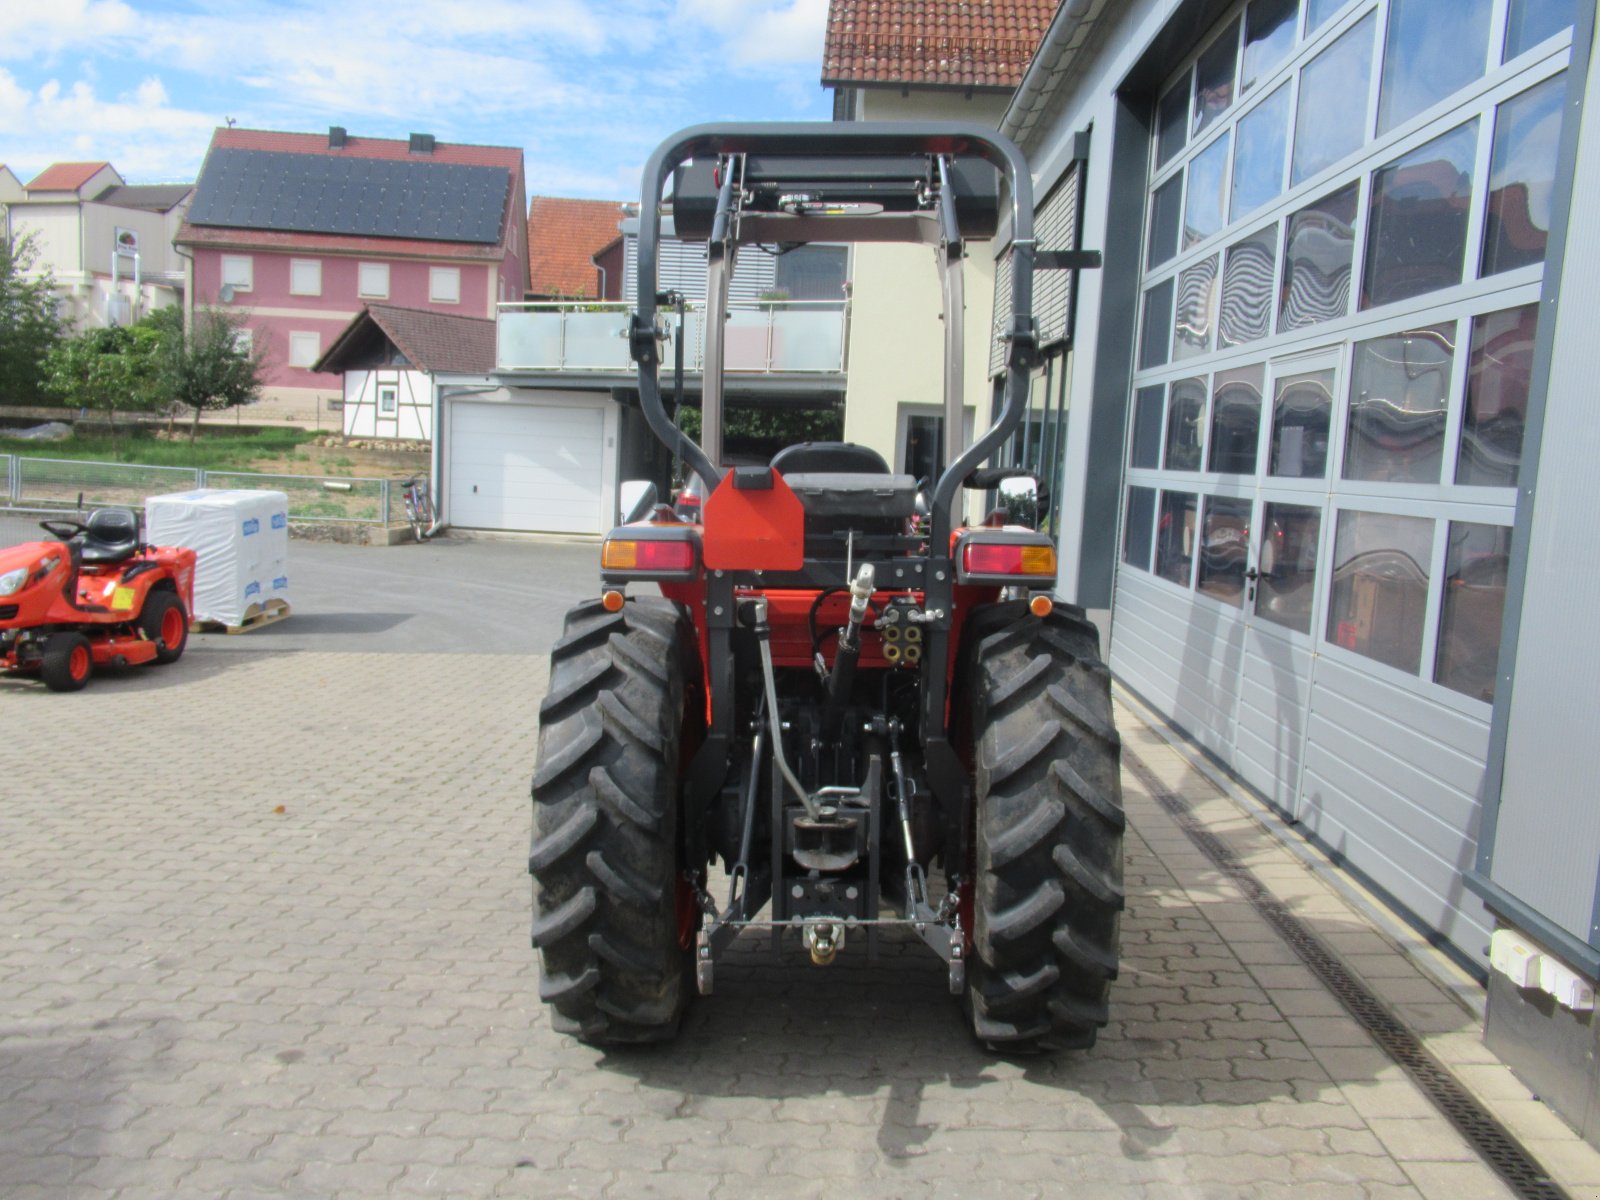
(585, 87)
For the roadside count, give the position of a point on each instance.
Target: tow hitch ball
(824, 939)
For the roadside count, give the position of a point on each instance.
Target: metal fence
(52, 485)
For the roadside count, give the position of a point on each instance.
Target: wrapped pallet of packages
(242, 541)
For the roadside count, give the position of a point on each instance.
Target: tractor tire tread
(1048, 891)
(605, 853)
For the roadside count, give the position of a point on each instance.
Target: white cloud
(762, 33)
(140, 132)
(40, 30)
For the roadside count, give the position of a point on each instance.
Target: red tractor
(95, 597)
(877, 716)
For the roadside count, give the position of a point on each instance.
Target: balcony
(777, 337)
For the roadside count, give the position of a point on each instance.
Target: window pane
(1208, 172)
(1474, 600)
(1224, 549)
(305, 277)
(1197, 293)
(1246, 310)
(373, 279)
(1166, 212)
(1138, 527)
(1498, 371)
(1428, 54)
(1331, 120)
(1399, 390)
(1318, 12)
(1236, 419)
(1175, 537)
(1318, 247)
(1268, 38)
(1417, 219)
(1185, 414)
(1213, 77)
(1148, 409)
(1380, 586)
(1532, 21)
(1263, 138)
(1522, 175)
(1301, 411)
(1156, 332)
(1287, 561)
(1172, 121)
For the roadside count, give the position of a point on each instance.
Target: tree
(119, 369)
(211, 367)
(29, 326)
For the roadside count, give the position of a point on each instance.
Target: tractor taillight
(988, 558)
(649, 557)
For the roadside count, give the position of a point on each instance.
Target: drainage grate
(1493, 1141)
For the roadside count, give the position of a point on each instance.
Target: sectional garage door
(537, 467)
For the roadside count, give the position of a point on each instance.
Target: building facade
(298, 232)
(107, 244)
(1302, 407)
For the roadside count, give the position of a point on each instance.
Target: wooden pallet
(256, 616)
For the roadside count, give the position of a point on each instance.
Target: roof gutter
(1052, 62)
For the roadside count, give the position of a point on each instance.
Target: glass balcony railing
(764, 338)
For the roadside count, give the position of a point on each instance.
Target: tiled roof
(65, 177)
(431, 341)
(362, 147)
(154, 197)
(982, 44)
(506, 157)
(562, 235)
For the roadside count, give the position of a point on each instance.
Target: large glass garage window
(1348, 207)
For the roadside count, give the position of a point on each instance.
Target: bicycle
(419, 506)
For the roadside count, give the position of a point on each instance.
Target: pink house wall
(482, 286)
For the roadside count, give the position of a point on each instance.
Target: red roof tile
(363, 147)
(562, 235)
(981, 44)
(65, 177)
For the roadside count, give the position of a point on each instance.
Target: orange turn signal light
(1001, 558)
(1041, 605)
(612, 601)
(629, 554)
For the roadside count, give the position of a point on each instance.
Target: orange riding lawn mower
(97, 596)
(877, 716)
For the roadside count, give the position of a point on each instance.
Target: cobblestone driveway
(263, 931)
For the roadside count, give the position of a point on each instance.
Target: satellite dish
(225, 293)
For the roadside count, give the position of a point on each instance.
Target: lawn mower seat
(110, 536)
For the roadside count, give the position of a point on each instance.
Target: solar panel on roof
(365, 197)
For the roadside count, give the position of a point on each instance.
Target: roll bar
(865, 138)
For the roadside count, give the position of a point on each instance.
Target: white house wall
(413, 419)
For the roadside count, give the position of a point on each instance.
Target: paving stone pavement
(263, 931)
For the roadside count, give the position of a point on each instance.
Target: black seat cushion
(111, 535)
(830, 457)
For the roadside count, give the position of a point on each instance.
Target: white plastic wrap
(242, 540)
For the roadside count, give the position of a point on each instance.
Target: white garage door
(526, 466)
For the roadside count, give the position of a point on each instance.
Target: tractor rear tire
(1048, 891)
(68, 662)
(613, 919)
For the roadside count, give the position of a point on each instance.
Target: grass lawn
(213, 450)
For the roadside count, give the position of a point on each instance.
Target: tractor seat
(817, 458)
(110, 536)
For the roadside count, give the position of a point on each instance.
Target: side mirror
(1019, 500)
(638, 498)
